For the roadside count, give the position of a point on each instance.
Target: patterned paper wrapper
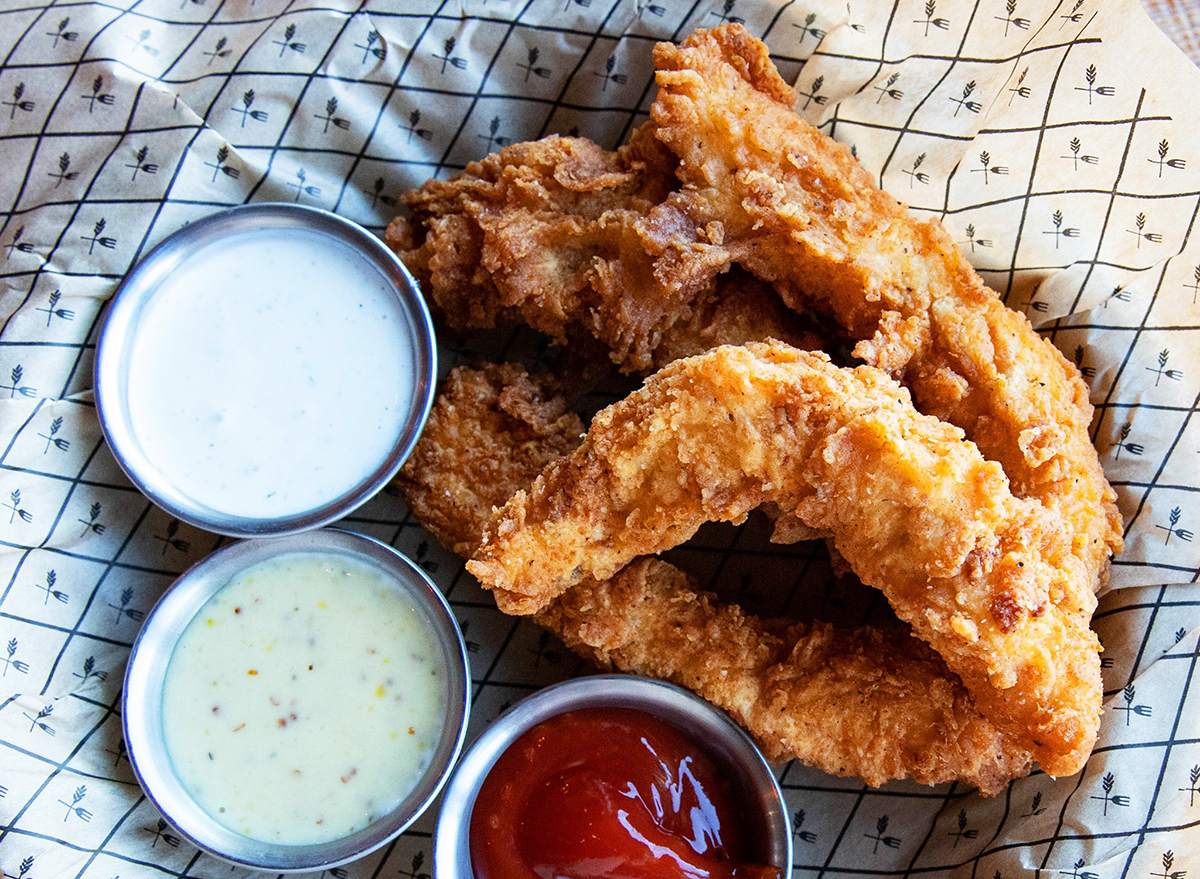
(1056, 142)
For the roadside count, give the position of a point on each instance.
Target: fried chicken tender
(552, 234)
(490, 432)
(764, 189)
(987, 579)
(875, 704)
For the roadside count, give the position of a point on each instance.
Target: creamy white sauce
(271, 373)
(304, 700)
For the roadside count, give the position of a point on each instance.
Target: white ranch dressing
(304, 700)
(271, 373)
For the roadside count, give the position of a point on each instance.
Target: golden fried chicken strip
(874, 704)
(550, 233)
(490, 432)
(796, 209)
(985, 578)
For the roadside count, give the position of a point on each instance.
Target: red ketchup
(613, 793)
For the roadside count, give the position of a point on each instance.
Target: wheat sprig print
(1020, 90)
(39, 721)
(221, 165)
(1060, 231)
(1076, 156)
(17, 375)
(378, 196)
(73, 807)
(813, 95)
(1107, 797)
(1123, 445)
(1193, 787)
(972, 240)
(162, 833)
(1161, 370)
(852, 24)
(90, 671)
(17, 245)
(331, 118)
(97, 238)
(1163, 160)
(961, 831)
(98, 96)
(965, 100)
(18, 512)
(1011, 19)
(448, 58)
(1077, 871)
(531, 66)
(1078, 358)
(797, 825)
(19, 102)
(302, 186)
(1035, 806)
(169, 540)
(50, 591)
(888, 90)
(140, 43)
(10, 659)
(370, 49)
(1129, 708)
(52, 310)
(61, 33)
(1090, 76)
(808, 29)
(493, 138)
(1074, 16)
(219, 50)
(725, 14)
(90, 523)
(1168, 871)
(881, 835)
(64, 170)
(140, 165)
(987, 169)
(247, 111)
(931, 19)
(288, 44)
(53, 439)
(123, 611)
(914, 175)
(414, 127)
(1140, 231)
(609, 74)
(1172, 529)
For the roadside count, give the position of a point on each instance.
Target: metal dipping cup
(143, 718)
(309, 227)
(758, 792)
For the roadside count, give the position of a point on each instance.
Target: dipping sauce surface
(271, 373)
(304, 700)
(609, 792)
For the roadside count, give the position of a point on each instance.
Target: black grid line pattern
(1052, 137)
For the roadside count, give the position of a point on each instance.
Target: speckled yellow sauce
(305, 699)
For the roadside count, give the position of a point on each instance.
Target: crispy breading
(796, 209)
(989, 580)
(552, 233)
(491, 431)
(875, 704)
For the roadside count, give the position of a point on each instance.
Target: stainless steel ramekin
(135, 293)
(146, 672)
(759, 791)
